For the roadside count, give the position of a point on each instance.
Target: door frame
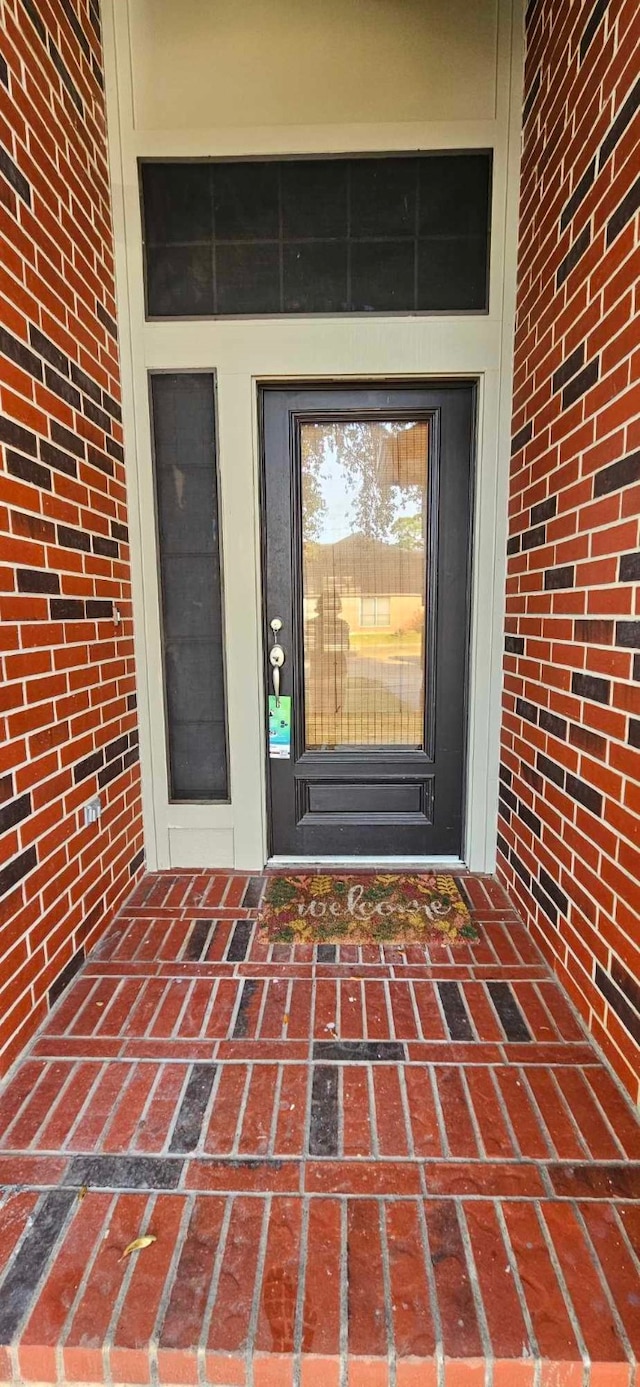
(348, 384)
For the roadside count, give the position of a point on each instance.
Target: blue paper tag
(279, 727)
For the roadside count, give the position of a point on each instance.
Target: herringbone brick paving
(362, 1166)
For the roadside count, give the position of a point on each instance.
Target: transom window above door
(381, 234)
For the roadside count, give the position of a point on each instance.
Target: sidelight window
(183, 416)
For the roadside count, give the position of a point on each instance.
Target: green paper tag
(279, 728)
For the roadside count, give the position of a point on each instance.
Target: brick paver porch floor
(361, 1167)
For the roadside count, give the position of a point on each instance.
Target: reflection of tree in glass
(407, 530)
(361, 450)
(313, 505)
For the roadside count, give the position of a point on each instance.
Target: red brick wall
(569, 849)
(67, 690)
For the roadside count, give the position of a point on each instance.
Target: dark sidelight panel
(382, 234)
(183, 416)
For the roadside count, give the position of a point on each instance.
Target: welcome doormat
(390, 908)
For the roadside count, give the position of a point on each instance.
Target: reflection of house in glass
(380, 586)
(364, 593)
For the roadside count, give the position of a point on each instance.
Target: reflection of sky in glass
(338, 491)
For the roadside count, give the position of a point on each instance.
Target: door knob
(276, 657)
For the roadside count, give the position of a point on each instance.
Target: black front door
(366, 535)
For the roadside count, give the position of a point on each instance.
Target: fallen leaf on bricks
(82, 1191)
(138, 1244)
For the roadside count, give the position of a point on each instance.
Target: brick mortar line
(275, 1115)
(257, 1290)
(309, 1065)
(523, 1079)
(264, 992)
(459, 960)
(564, 1291)
(147, 932)
(565, 1106)
(604, 1283)
(535, 983)
(298, 1328)
(102, 1069)
(140, 1124)
(340, 1132)
(605, 1118)
(613, 1202)
(186, 1005)
(438, 1108)
(406, 1113)
(620, 1225)
(473, 1117)
(169, 1133)
(82, 1285)
(144, 1227)
(157, 1009)
(287, 1011)
(517, 1281)
(200, 1150)
(241, 1113)
(111, 1004)
(212, 1294)
(472, 1018)
(391, 1024)
(414, 1004)
(506, 1116)
(211, 1006)
(167, 1288)
(121, 1099)
(363, 1009)
(433, 1293)
(234, 1160)
(449, 1060)
(476, 1291)
(338, 1006)
(374, 1136)
(344, 1292)
(104, 968)
(386, 1294)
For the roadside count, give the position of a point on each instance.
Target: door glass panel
(364, 573)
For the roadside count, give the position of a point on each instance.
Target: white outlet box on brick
(92, 811)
